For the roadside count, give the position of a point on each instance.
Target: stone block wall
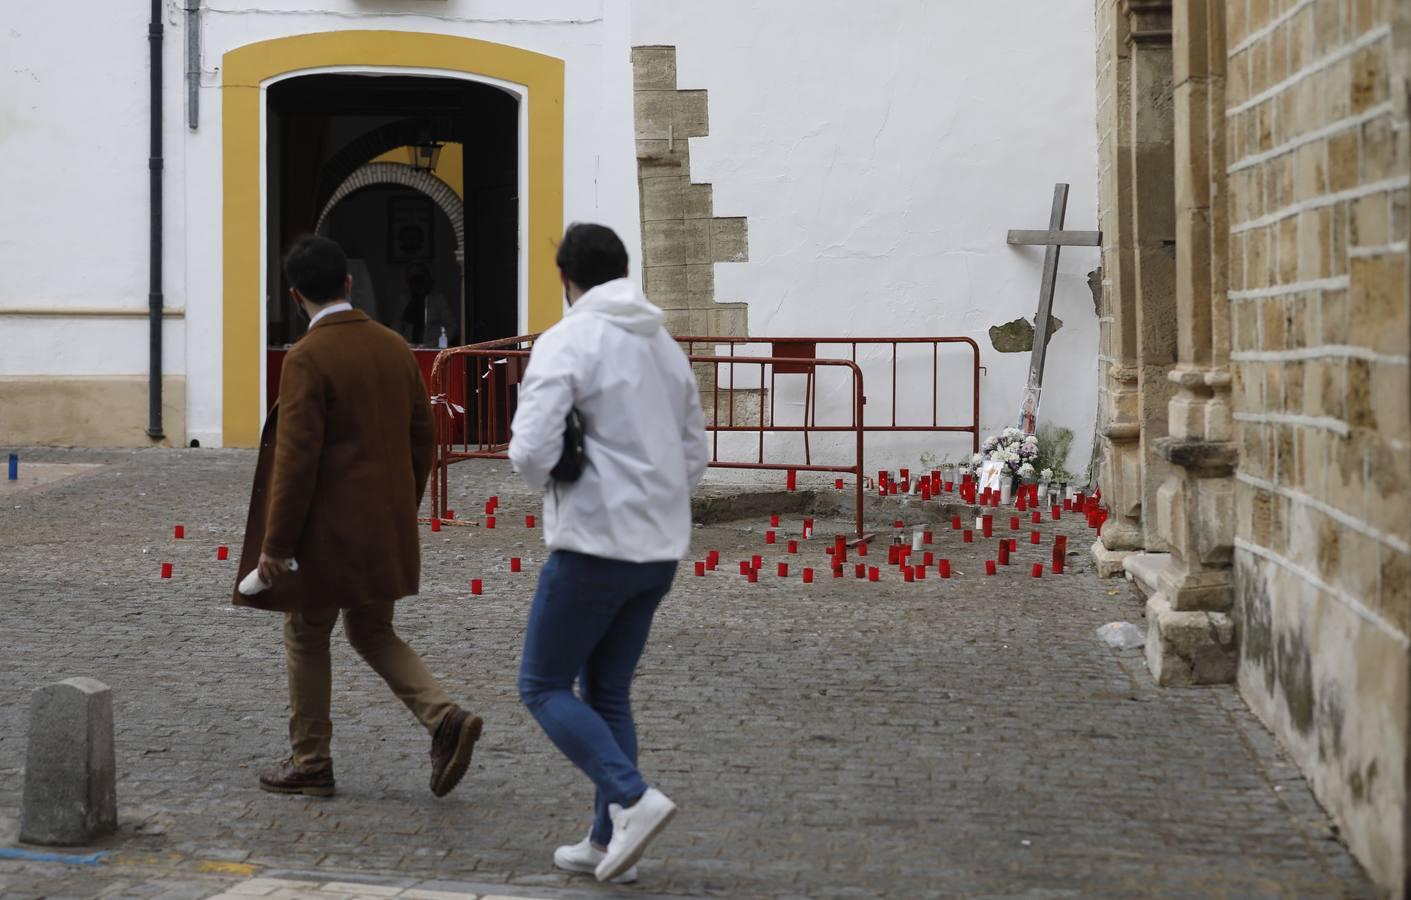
(682, 238)
(1318, 167)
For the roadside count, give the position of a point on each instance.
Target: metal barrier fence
(474, 390)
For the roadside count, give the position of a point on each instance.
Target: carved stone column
(1191, 635)
(1154, 237)
(1119, 423)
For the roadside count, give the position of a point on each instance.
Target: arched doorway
(331, 141)
(257, 224)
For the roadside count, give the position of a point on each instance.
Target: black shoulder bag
(575, 457)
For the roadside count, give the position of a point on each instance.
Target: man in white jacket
(616, 534)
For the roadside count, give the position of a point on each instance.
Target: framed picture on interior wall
(409, 233)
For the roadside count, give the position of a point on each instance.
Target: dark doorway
(400, 239)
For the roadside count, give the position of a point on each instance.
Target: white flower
(977, 459)
(1026, 470)
(1011, 433)
(1046, 474)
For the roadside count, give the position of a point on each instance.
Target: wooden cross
(1053, 240)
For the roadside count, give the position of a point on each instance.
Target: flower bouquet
(1006, 456)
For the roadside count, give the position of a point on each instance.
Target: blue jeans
(590, 620)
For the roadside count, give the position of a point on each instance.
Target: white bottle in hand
(253, 584)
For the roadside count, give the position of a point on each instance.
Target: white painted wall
(73, 162)
(881, 151)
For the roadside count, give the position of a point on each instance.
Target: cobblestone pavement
(968, 737)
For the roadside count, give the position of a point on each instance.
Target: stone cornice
(1208, 459)
(1148, 21)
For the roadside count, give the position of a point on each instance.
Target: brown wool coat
(344, 460)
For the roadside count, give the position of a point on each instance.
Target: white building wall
(73, 164)
(881, 151)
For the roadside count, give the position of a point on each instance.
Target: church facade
(1254, 181)
(798, 169)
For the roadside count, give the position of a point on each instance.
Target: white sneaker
(633, 829)
(584, 857)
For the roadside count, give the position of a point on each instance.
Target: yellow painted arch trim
(245, 70)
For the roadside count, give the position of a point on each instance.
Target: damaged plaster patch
(1018, 336)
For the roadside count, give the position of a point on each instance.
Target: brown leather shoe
(451, 749)
(287, 778)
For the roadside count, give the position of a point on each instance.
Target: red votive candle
(1067, 504)
(528, 521)
(793, 546)
(783, 570)
(907, 575)
(700, 570)
(1034, 537)
(489, 521)
(1038, 570)
(435, 524)
(515, 564)
(920, 572)
(1004, 553)
(987, 522)
(1014, 545)
(756, 562)
(860, 570)
(744, 567)
(451, 513)
(1013, 523)
(945, 568)
(862, 548)
(989, 567)
(838, 483)
(476, 586)
(837, 571)
(792, 480)
(968, 536)
(753, 576)
(928, 558)
(950, 486)
(1021, 504)
(774, 521)
(222, 552)
(179, 532)
(490, 507)
(873, 573)
(808, 576)
(955, 523)
(769, 537)
(1056, 512)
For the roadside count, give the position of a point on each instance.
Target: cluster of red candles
(179, 534)
(899, 555)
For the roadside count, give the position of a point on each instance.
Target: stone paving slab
(965, 737)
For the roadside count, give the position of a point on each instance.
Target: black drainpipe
(154, 290)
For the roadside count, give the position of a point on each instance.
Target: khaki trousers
(369, 630)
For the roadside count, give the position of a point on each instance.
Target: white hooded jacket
(644, 433)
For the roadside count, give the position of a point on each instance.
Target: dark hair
(591, 255)
(317, 268)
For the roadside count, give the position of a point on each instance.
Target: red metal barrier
(847, 348)
(487, 376)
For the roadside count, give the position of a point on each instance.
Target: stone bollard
(70, 794)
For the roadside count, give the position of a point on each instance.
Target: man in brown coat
(343, 465)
